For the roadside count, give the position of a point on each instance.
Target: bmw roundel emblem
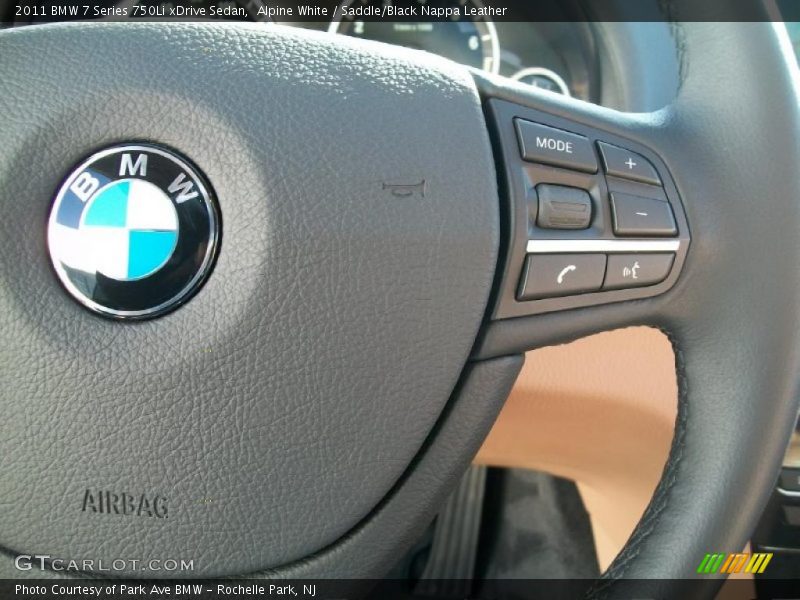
(133, 231)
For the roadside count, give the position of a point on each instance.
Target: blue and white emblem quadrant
(130, 227)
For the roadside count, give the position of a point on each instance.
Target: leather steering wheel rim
(736, 355)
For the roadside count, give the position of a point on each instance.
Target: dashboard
(559, 56)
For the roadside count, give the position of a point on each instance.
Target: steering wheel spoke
(593, 214)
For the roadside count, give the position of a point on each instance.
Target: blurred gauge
(449, 32)
(543, 78)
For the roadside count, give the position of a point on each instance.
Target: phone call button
(550, 275)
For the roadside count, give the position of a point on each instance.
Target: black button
(547, 275)
(543, 144)
(628, 165)
(634, 215)
(562, 207)
(636, 270)
(790, 479)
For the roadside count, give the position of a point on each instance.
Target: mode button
(548, 145)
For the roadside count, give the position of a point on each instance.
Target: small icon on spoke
(564, 271)
(632, 272)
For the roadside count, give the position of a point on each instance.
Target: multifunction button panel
(593, 218)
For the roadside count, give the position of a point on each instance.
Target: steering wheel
(307, 410)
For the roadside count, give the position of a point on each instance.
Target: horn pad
(268, 415)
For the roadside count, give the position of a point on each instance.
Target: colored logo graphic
(133, 231)
(734, 563)
(132, 227)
